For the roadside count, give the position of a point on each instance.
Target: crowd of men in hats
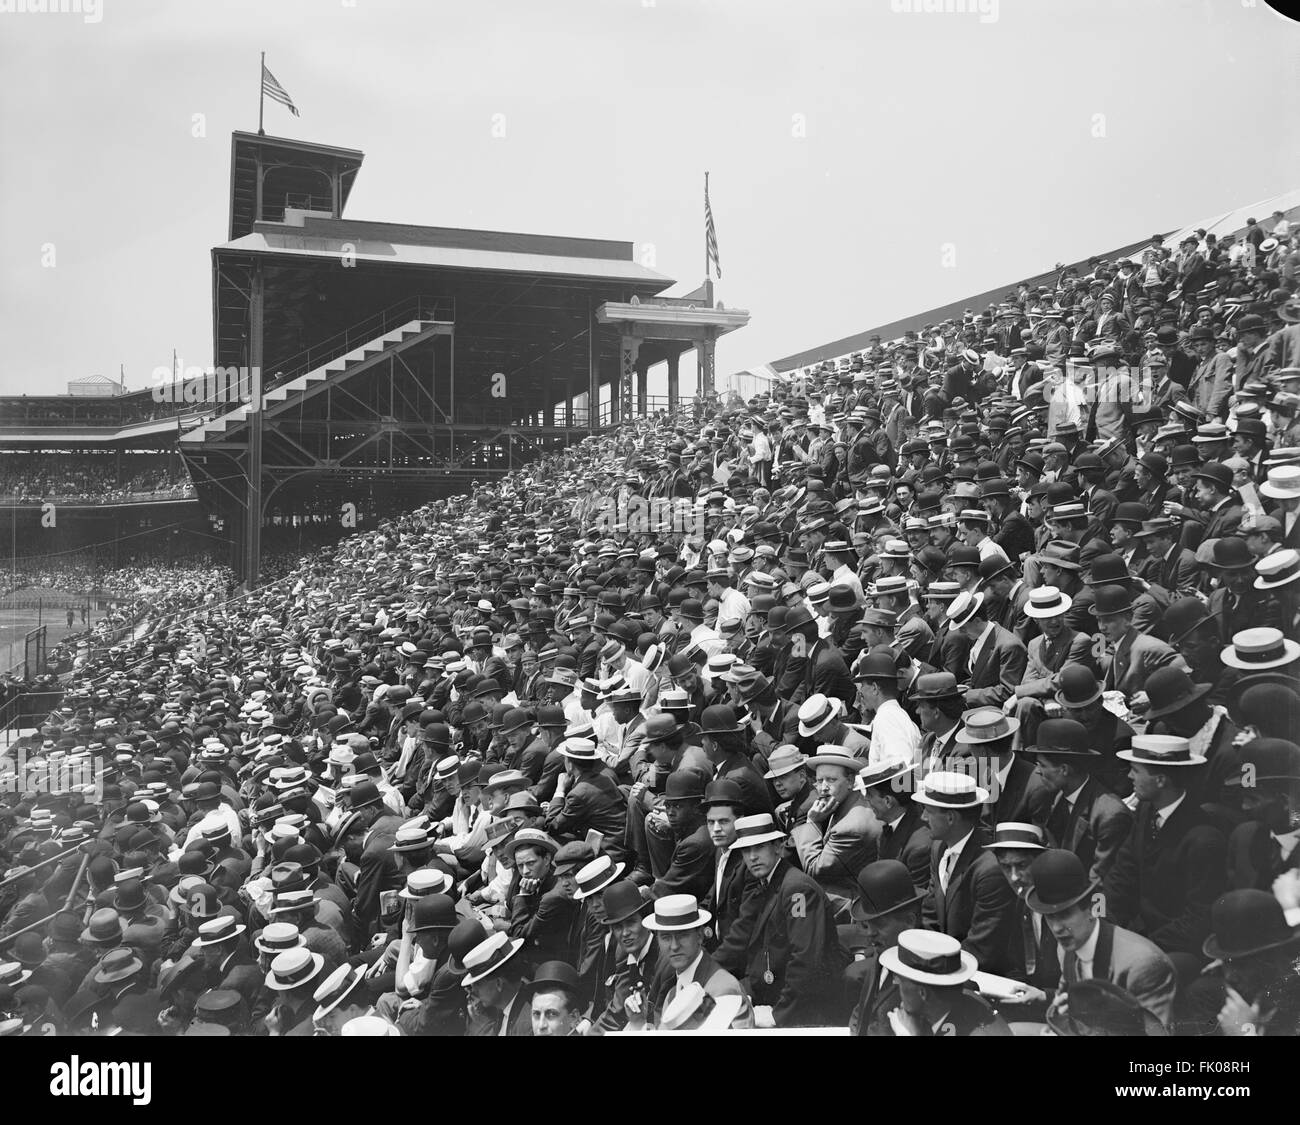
(906, 702)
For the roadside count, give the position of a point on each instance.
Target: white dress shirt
(949, 859)
(894, 737)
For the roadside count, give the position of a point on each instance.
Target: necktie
(886, 835)
(1153, 829)
(1057, 820)
(945, 868)
(1030, 939)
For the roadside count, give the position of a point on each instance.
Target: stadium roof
(310, 236)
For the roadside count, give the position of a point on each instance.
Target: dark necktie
(888, 834)
(1153, 829)
(1057, 821)
(1030, 940)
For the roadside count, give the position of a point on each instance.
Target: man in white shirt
(733, 606)
(894, 737)
(679, 923)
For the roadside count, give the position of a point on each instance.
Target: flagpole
(706, 227)
(261, 95)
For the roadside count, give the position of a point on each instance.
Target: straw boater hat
(754, 830)
(841, 756)
(1047, 601)
(816, 712)
(1255, 650)
(1015, 836)
(337, 987)
(1163, 750)
(929, 958)
(489, 955)
(946, 790)
(677, 912)
(596, 876)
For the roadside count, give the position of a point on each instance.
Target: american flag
(277, 93)
(710, 233)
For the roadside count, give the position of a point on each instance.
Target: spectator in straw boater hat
(931, 970)
(968, 896)
(494, 977)
(1173, 864)
(790, 960)
(678, 924)
(294, 977)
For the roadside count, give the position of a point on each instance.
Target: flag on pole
(277, 93)
(710, 234)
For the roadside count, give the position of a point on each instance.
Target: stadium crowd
(951, 691)
(100, 478)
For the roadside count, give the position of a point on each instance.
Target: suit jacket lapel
(986, 654)
(1105, 948)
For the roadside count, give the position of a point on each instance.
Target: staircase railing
(421, 307)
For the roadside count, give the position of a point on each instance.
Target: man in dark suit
(784, 944)
(1173, 864)
(904, 834)
(1094, 948)
(1218, 509)
(1085, 817)
(724, 804)
(1266, 845)
(498, 1002)
(1016, 791)
(968, 897)
(825, 671)
(1133, 655)
(1170, 565)
(1035, 958)
(996, 661)
(887, 905)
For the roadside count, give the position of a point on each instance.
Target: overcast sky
(847, 142)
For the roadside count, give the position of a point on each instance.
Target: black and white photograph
(650, 519)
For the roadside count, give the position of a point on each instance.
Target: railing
(112, 496)
(28, 705)
(413, 308)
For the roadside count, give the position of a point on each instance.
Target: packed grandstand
(780, 714)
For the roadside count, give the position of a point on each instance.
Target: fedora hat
(1060, 881)
(105, 927)
(946, 790)
(489, 955)
(621, 900)
(1254, 650)
(816, 712)
(886, 886)
(1161, 750)
(928, 957)
(677, 912)
(1013, 836)
(595, 876)
(783, 760)
(118, 965)
(1170, 690)
(986, 724)
(754, 830)
(1059, 554)
(1247, 922)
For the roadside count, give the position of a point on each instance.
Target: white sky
(920, 129)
